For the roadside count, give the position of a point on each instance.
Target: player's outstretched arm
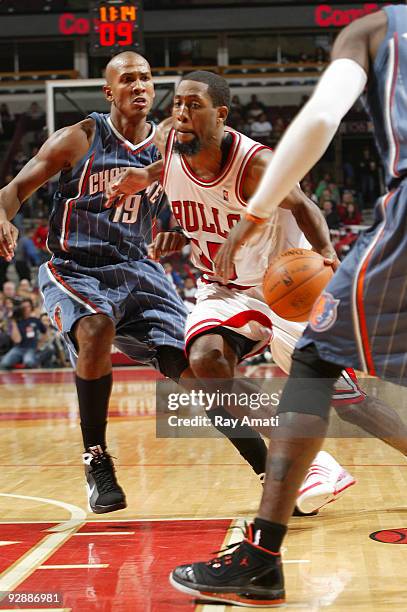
(60, 151)
(166, 243)
(134, 180)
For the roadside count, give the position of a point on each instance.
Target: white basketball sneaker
(324, 483)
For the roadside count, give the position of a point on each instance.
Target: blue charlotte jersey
(82, 227)
(387, 95)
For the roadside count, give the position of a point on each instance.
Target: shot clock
(117, 25)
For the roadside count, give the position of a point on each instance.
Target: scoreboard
(116, 25)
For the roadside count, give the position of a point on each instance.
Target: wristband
(256, 220)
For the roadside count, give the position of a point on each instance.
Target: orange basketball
(293, 282)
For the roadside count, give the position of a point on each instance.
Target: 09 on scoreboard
(117, 25)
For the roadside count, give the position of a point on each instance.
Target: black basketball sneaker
(104, 492)
(250, 576)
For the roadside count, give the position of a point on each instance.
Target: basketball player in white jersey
(209, 173)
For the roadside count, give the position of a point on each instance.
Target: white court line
(23, 567)
(102, 533)
(73, 566)
(133, 520)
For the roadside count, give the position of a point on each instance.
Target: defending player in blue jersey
(364, 308)
(99, 287)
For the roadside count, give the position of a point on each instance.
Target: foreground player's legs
(252, 575)
(211, 357)
(94, 336)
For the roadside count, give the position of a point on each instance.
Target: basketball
(293, 282)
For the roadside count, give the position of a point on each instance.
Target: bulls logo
(324, 312)
(390, 536)
(58, 317)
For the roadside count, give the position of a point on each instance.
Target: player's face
(195, 118)
(131, 88)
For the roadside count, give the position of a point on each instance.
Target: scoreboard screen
(116, 25)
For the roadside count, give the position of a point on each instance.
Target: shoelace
(222, 558)
(103, 474)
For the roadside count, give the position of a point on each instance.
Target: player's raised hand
(129, 182)
(166, 243)
(8, 237)
(240, 234)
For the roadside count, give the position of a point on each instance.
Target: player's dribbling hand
(8, 238)
(130, 181)
(166, 243)
(240, 234)
(330, 258)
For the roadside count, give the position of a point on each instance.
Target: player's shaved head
(123, 60)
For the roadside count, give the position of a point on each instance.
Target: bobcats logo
(58, 317)
(324, 312)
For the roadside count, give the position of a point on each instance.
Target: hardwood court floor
(182, 496)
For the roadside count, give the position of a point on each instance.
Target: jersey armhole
(167, 157)
(90, 152)
(241, 175)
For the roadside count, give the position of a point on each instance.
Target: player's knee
(209, 364)
(353, 413)
(95, 332)
(310, 385)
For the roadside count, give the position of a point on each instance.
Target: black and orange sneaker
(250, 576)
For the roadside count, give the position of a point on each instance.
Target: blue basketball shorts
(136, 295)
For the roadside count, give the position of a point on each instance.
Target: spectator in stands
(3, 271)
(345, 242)
(255, 108)
(190, 290)
(334, 189)
(278, 128)
(19, 161)
(51, 353)
(331, 216)
(25, 291)
(7, 121)
(347, 198)
(352, 215)
(323, 184)
(325, 195)
(173, 276)
(261, 129)
(369, 178)
(9, 290)
(40, 239)
(235, 105)
(35, 111)
(30, 251)
(26, 331)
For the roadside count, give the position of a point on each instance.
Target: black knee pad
(171, 362)
(310, 385)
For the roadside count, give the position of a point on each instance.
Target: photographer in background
(25, 332)
(51, 353)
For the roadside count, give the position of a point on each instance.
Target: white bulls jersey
(207, 210)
